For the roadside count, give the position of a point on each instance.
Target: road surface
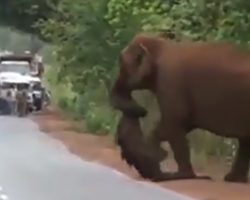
(37, 167)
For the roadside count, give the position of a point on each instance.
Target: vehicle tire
(38, 104)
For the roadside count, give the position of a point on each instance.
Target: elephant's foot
(236, 177)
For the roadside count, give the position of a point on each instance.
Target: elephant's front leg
(176, 137)
(179, 145)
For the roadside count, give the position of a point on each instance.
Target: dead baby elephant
(197, 85)
(144, 155)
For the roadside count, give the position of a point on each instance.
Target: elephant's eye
(138, 59)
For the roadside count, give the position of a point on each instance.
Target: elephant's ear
(144, 48)
(144, 60)
(139, 52)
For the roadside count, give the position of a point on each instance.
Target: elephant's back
(212, 80)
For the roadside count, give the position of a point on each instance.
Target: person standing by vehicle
(12, 100)
(3, 105)
(21, 102)
(40, 66)
(10, 97)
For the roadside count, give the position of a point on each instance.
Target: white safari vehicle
(17, 73)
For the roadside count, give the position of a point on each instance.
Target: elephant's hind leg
(240, 167)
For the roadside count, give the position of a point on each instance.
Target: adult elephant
(197, 85)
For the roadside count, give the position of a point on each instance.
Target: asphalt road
(36, 167)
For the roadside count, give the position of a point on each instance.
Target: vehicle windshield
(8, 86)
(21, 67)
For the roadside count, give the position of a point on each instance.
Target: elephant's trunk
(122, 100)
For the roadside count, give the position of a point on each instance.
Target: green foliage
(23, 14)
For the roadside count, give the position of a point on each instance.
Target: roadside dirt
(101, 149)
